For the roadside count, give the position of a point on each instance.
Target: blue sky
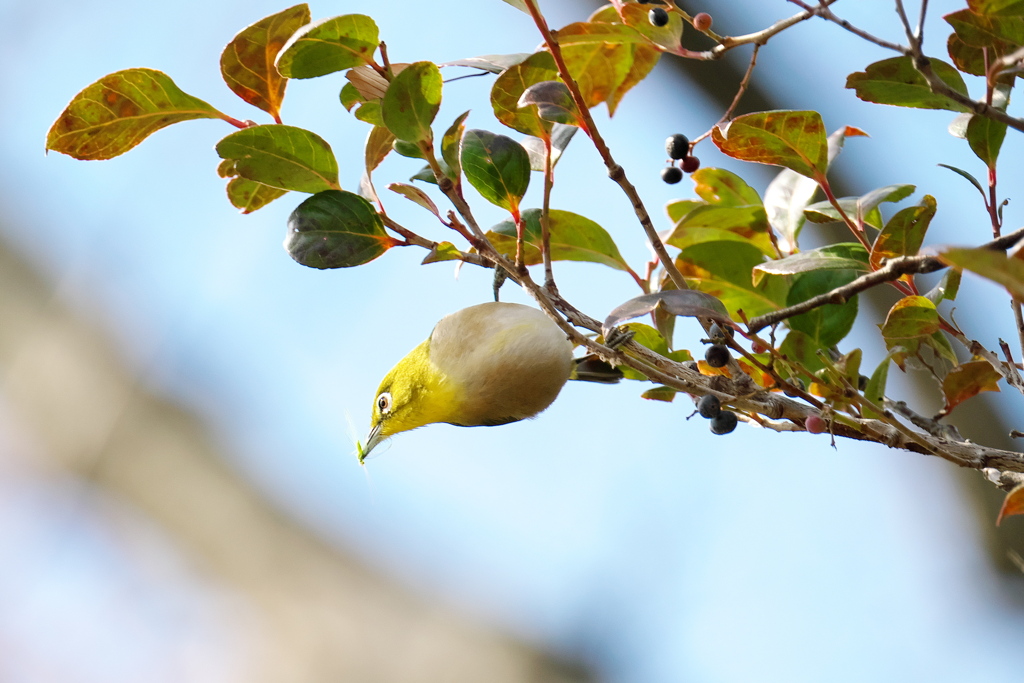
(609, 526)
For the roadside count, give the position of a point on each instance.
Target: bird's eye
(384, 402)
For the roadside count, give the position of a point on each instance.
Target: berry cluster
(678, 148)
(710, 407)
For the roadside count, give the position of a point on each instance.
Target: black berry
(658, 16)
(717, 356)
(671, 175)
(724, 422)
(709, 406)
(677, 146)
(691, 164)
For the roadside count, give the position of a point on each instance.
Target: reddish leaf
(247, 63)
(119, 111)
(1013, 505)
(967, 380)
(910, 318)
(794, 139)
(904, 232)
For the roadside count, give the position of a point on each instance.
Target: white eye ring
(384, 402)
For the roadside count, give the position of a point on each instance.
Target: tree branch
(892, 270)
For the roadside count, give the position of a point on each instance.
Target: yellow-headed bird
(489, 364)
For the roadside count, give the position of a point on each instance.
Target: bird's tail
(592, 369)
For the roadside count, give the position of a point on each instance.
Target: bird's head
(414, 393)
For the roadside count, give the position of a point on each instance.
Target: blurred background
(179, 494)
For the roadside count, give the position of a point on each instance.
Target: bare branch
(892, 270)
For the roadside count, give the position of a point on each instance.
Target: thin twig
(744, 84)
(892, 270)
(930, 425)
(545, 218)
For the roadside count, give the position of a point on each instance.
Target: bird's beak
(372, 439)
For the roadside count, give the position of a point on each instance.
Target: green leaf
(378, 145)
(553, 101)
(411, 102)
(561, 135)
(947, 287)
(985, 137)
(329, 45)
(895, 81)
(723, 269)
(119, 111)
(661, 393)
(875, 390)
(678, 302)
(1003, 8)
(442, 251)
(829, 324)
(724, 188)
(991, 264)
(497, 166)
(968, 380)
(247, 63)
(1000, 35)
(350, 96)
(450, 146)
(843, 256)
(800, 349)
(824, 212)
(572, 238)
(964, 174)
(369, 112)
(710, 223)
(336, 229)
(646, 336)
(285, 157)
(426, 175)
(904, 233)
(794, 139)
(889, 193)
(409, 150)
(509, 86)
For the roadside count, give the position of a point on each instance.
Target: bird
(486, 365)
